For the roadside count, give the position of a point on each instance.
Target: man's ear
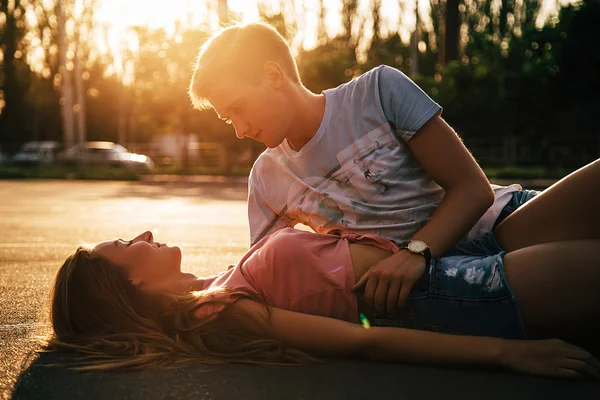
(274, 74)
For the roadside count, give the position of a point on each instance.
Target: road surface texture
(41, 222)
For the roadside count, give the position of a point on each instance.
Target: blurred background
(104, 82)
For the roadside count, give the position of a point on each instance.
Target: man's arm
(439, 150)
(330, 337)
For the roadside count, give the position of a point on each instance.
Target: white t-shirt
(356, 173)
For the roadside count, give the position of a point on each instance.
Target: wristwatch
(417, 247)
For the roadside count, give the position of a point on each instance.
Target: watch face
(417, 246)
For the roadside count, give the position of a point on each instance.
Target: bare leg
(567, 210)
(557, 286)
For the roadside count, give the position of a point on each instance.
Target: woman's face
(148, 264)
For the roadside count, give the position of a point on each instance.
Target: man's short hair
(239, 51)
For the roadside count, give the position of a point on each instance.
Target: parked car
(37, 153)
(104, 154)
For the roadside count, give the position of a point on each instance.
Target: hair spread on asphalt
(98, 313)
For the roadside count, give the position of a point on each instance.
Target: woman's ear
(135, 282)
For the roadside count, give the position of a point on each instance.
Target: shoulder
(366, 79)
(389, 78)
(371, 83)
(264, 165)
(360, 91)
(265, 159)
(378, 74)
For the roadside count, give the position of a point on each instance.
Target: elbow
(478, 192)
(481, 192)
(487, 194)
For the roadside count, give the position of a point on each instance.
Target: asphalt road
(41, 222)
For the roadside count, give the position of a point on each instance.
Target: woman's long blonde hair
(97, 312)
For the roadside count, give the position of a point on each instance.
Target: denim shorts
(466, 291)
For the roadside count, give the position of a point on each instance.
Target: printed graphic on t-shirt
(356, 189)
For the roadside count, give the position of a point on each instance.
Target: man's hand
(388, 283)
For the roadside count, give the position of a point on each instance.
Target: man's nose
(241, 128)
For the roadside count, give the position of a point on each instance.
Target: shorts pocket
(469, 278)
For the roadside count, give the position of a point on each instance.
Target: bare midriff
(364, 257)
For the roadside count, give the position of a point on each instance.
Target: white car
(37, 153)
(106, 154)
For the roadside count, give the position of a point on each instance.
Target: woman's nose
(147, 236)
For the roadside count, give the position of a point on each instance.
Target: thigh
(557, 287)
(568, 210)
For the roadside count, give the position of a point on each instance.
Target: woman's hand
(388, 283)
(552, 358)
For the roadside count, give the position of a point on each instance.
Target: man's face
(257, 111)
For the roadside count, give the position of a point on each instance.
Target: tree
(450, 36)
(71, 56)
(14, 72)
(66, 81)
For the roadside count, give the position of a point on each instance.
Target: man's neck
(307, 110)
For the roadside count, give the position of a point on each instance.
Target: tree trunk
(80, 96)
(414, 66)
(9, 114)
(452, 31)
(122, 120)
(66, 86)
(321, 25)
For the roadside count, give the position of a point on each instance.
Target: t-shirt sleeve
(405, 105)
(261, 218)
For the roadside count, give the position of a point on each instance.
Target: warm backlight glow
(111, 30)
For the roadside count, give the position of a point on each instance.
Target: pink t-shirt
(299, 271)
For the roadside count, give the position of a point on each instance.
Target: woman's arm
(330, 337)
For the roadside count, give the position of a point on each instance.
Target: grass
(534, 172)
(112, 173)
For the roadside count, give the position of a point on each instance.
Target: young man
(370, 156)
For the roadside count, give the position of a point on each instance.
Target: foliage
(514, 80)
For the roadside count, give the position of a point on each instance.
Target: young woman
(290, 298)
